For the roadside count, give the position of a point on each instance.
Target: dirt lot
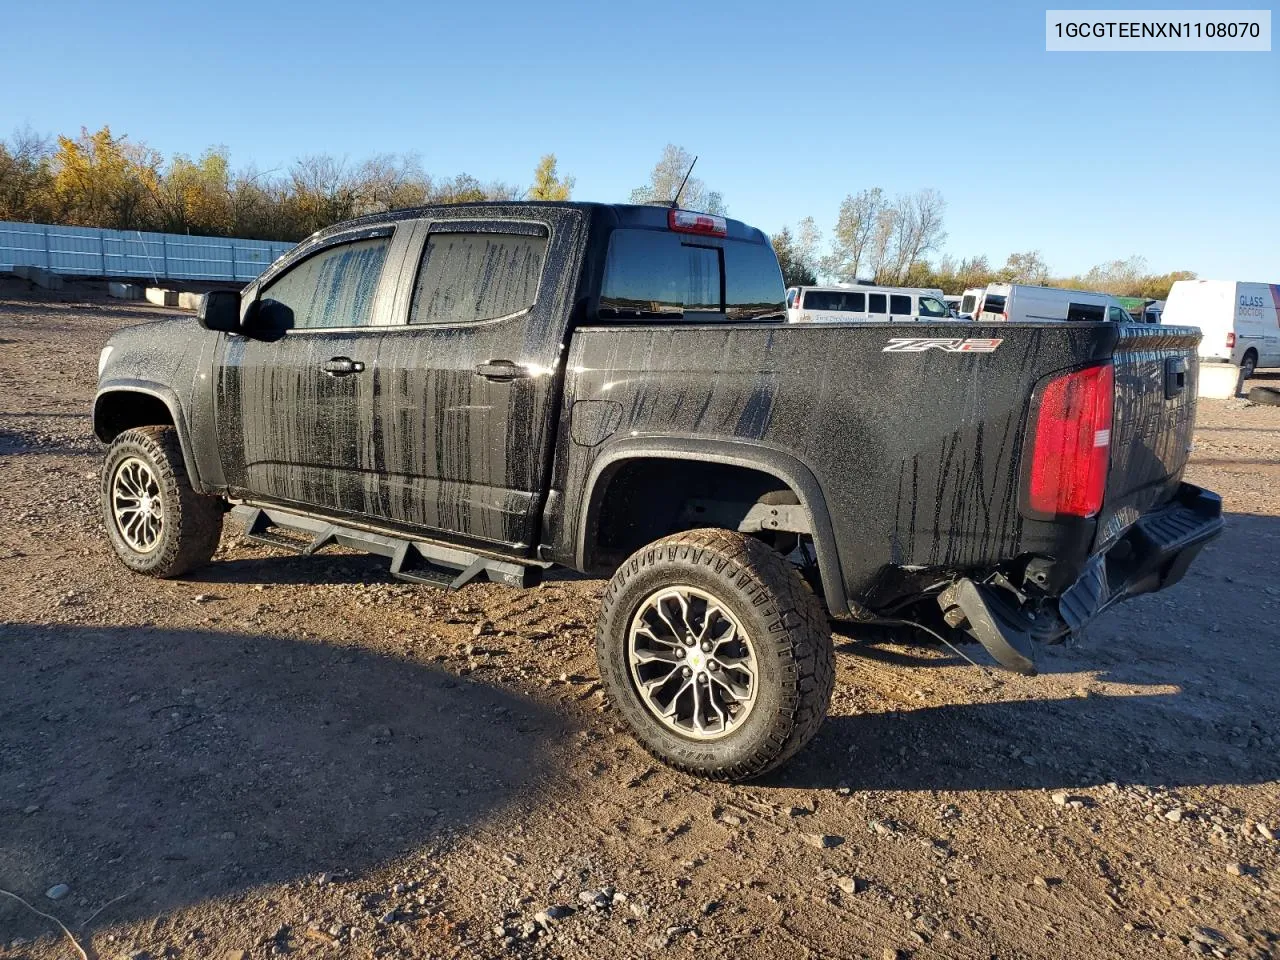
(301, 756)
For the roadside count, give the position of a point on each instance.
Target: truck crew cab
(484, 390)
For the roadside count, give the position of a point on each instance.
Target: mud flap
(977, 609)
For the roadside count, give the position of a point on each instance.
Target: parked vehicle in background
(491, 389)
(1142, 309)
(1240, 322)
(953, 303)
(1022, 303)
(865, 302)
(970, 301)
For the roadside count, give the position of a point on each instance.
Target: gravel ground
(281, 755)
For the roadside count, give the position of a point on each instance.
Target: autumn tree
(104, 181)
(547, 182)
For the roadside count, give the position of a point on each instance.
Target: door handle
(342, 367)
(501, 370)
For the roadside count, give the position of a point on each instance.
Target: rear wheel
(715, 652)
(155, 520)
(1248, 365)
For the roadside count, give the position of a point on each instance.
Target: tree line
(100, 179)
(891, 242)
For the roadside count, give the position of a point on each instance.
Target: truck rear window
(656, 274)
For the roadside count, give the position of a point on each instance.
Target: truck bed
(913, 432)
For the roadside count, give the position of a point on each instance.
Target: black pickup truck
(486, 390)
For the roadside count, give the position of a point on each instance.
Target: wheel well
(121, 410)
(644, 499)
(1254, 352)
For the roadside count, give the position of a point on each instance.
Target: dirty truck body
(489, 389)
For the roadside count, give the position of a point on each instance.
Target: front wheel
(156, 521)
(716, 654)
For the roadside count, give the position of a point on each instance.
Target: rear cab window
(653, 274)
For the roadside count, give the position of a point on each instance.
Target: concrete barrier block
(39, 276)
(162, 297)
(190, 301)
(1218, 381)
(124, 291)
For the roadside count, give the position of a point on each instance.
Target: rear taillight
(1231, 340)
(686, 221)
(1071, 445)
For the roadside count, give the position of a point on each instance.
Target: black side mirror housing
(220, 310)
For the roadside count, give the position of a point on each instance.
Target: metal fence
(92, 252)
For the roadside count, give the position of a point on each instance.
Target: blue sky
(791, 106)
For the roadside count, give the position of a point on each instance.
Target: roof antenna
(675, 201)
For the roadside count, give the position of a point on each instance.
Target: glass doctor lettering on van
(1156, 30)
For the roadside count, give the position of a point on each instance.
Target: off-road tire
(191, 522)
(1267, 395)
(787, 628)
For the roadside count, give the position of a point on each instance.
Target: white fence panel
(93, 252)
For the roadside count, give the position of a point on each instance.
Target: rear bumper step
(1153, 554)
(414, 560)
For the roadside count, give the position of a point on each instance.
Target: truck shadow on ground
(1028, 745)
(192, 764)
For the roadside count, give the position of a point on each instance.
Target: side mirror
(220, 310)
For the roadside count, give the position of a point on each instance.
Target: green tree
(795, 271)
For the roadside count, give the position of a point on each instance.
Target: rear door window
(332, 289)
(967, 304)
(994, 303)
(899, 305)
(876, 302)
(466, 277)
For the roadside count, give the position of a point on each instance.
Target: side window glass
(933, 307)
(899, 305)
(876, 303)
(855, 302)
(466, 277)
(1119, 315)
(334, 288)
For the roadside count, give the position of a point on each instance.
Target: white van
(1020, 302)
(826, 304)
(969, 302)
(1240, 322)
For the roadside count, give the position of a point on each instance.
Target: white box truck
(1240, 322)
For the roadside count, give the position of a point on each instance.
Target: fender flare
(782, 466)
(166, 396)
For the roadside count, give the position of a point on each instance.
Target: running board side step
(414, 560)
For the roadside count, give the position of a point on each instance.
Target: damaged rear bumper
(1152, 554)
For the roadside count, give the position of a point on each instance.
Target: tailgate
(1155, 411)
